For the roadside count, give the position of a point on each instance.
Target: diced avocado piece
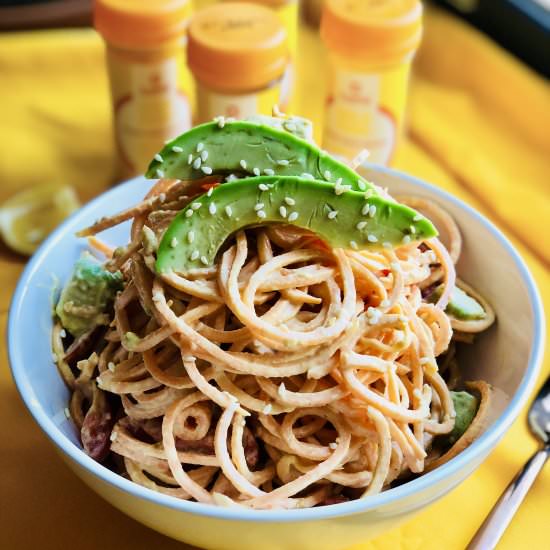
(466, 406)
(249, 148)
(87, 295)
(461, 305)
(344, 220)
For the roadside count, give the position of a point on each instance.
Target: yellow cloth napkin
(478, 127)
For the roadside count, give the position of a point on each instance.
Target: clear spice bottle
(145, 62)
(370, 46)
(238, 54)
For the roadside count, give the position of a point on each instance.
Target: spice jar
(145, 63)
(238, 54)
(370, 46)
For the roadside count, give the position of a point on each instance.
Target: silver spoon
(503, 511)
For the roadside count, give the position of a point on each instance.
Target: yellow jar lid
(141, 23)
(236, 47)
(374, 30)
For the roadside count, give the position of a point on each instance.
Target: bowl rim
(482, 445)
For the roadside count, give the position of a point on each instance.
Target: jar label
(364, 111)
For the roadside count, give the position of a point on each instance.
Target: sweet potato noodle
(287, 375)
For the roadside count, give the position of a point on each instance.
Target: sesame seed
(290, 201)
(111, 366)
(282, 211)
(160, 173)
(177, 149)
(54, 357)
(189, 358)
(332, 445)
(256, 171)
(281, 389)
(307, 176)
(361, 225)
(258, 206)
(263, 187)
(283, 162)
(341, 188)
(327, 174)
(209, 192)
(188, 213)
(332, 214)
(159, 158)
(413, 229)
(386, 244)
(228, 211)
(242, 162)
(113, 436)
(362, 185)
(174, 242)
(366, 209)
(206, 169)
(194, 255)
(261, 214)
(62, 333)
(162, 197)
(269, 171)
(190, 159)
(339, 181)
(372, 211)
(353, 245)
(293, 216)
(67, 412)
(190, 237)
(220, 120)
(267, 409)
(372, 238)
(406, 239)
(230, 178)
(212, 208)
(369, 193)
(197, 163)
(200, 146)
(204, 260)
(204, 155)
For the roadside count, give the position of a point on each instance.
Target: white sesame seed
(263, 187)
(113, 436)
(197, 163)
(372, 211)
(283, 162)
(261, 214)
(204, 260)
(62, 333)
(67, 412)
(327, 174)
(196, 205)
(188, 213)
(190, 237)
(281, 389)
(413, 229)
(162, 197)
(332, 214)
(353, 245)
(290, 201)
(366, 209)
(189, 358)
(256, 171)
(209, 192)
(194, 255)
(159, 158)
(220, 120)
(267, 409)
(258, 206)
(177, 149)
(269, 171)
(190, 159)
(372, 238)
(339, 181)
(362, 185)
(417, 218)
(200, 146)
(282, 211)
(293, 216)
(231, 177)
(228, 211)
(242, 162)
(174, 242)
(111, 366)
(333, 445)
(206, 169)
(361, 225)
(406, 239)
(386, 244)
(339, 189)
(212, 208)
(307, 176)
(160, 173)
(204, 155)
(369, 193)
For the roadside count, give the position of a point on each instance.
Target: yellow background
(478, 126)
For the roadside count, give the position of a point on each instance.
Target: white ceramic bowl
(508, 356)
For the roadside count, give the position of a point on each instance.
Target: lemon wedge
(28, 217)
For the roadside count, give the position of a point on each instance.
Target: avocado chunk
(87, 295)
(344, 220)
(461, 305)
(466, 406)
(247, 148)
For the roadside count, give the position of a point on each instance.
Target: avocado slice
(466, 406)
(344, 220)
(249, 148)
(87, 295)
(461, 305)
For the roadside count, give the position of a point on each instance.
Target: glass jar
(370, 45)
(238, 54)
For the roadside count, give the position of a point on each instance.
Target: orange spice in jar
(145, 63)
(238, 54)
(370, 45)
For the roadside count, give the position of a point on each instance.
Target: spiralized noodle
(287, 375)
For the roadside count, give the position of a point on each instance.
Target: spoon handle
(504, 509)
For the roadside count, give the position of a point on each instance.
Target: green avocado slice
(249, 148)
(461, 305)
(344, 220)
(466, 406)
